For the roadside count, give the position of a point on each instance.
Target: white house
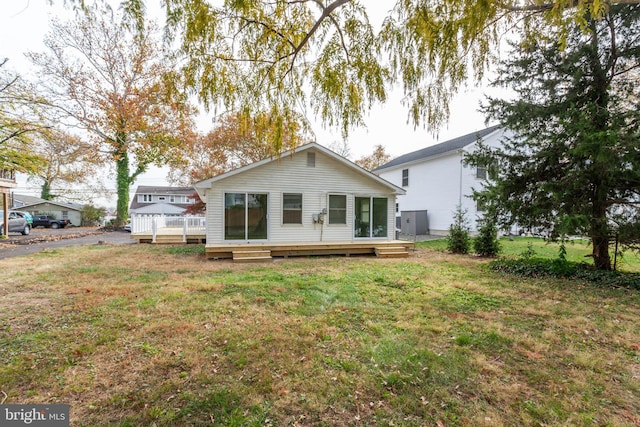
(436, 182)
(307, 201)
(168, 201)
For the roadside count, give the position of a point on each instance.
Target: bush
(458, 240)
(558, 268)
(486, 244)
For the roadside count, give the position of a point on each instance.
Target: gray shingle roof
(443, 147)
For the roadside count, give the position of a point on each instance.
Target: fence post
(154, 229)
(184, 229)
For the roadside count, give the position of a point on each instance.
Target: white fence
(187, 225)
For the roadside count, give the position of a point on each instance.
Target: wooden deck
(260, 252)
(255, 252)
(170, 236)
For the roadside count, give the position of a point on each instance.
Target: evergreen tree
(573, 163)
(458, 241)
(487, 244)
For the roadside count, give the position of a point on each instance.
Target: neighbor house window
(405, 177)
(172, 199)
(337, 209)
(481, 172)
(146, 198)
(161, 198)
(292, 208)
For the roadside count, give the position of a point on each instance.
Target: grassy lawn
(577, 250)
(145, 335)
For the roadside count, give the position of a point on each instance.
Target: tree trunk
(122, 182)
(600, 231)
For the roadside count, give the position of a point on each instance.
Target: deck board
(221, 251)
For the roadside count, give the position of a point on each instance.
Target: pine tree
(458, 241)
(574, 160)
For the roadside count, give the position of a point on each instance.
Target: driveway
(41, 239)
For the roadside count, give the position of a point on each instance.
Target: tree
(458, 240)
(15, 129)
(103, 80)
(486, 244)
(237, 140)
(92, 215)
(573, 164)
(374, 160)
(68, 160)
(287, 55)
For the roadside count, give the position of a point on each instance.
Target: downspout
(460, 182)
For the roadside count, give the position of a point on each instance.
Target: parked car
(17, 223)
(49, 222)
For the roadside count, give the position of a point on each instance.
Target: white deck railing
(161, 224)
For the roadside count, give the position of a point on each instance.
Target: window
(311, 160)
(292, 208)
(370, 217)
(337, 209)
(405, 177)
(161, 198)
(65, 214)
(146, 197)
(397, 207)
(245, 216)
(481, 172)
(172, 199)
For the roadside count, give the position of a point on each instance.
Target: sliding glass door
(245, 216)
(370, 217)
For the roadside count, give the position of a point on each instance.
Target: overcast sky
(23, 24)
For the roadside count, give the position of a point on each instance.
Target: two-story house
(168, 201)
(437, 181)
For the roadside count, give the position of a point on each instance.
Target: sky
(24, 23)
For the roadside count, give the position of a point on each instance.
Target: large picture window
(370, 217)
(245, 216)
(292, 208)
(337, 209)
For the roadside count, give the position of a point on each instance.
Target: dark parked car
(17, 223)
(49, 222)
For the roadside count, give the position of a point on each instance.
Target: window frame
(336, 209)
(405, 177)
(285, 209)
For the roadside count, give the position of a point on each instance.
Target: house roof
(202, 186)
(441, 148)
(31, 201)
(159, 191)
(160, 209)
(23, 199)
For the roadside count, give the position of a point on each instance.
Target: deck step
(252, 256)
(392, 252)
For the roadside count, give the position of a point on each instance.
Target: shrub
(458, 240)
(486, 244)
(558, 268)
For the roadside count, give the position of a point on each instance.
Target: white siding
(292, 175)
(438, 185)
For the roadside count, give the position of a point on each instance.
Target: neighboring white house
(168, 201)
(437, 181)
(307, 196)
